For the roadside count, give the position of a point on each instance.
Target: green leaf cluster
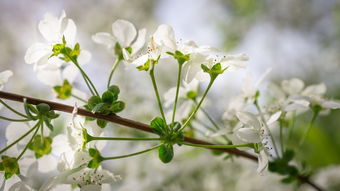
(214, 71)
(107, 104)
(180, 57)
(41, 112)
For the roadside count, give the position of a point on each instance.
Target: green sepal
(43, 108)
(41, 146)
(96, 158)
(47, 122)
(64, 91)
(145, 66)
(8, 175)
(100, 108)
(166, 153)
(191, 95)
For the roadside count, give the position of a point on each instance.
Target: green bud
(114, 89)
(166, 153)
(117, 107)
(64, 91)
(158, 126)
(43, 108)
(108, 97)
(93, 101)
(101, 123)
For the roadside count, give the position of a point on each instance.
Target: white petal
(293, 86)
(4, 76)
(315, 90)
(104, 38)
(35, 52)
(248, 119)
(124, 31)
(50, 77)
(331, 104)
(84, 57)
(49, 28)
(140, 61)
(263, 161)
(165, 36)
(274, 117)
(70, 32)
(249, 135)
(139, 43)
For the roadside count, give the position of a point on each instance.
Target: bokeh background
(296, 38)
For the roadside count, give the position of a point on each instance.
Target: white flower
(52, 29)
(124, 33)
(52, 70)
(194, 69)
(4, 76)
(253, 132)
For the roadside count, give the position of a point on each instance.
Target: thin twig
(133, 124)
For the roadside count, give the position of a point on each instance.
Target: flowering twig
(133, 124)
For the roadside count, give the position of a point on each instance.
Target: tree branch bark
(132, 124)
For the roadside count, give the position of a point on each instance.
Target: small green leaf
(205, 68)
(100, 108)
(8, 175)
(166, 153)
(191, 94)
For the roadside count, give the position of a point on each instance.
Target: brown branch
(132, 124)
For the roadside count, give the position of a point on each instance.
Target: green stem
(132, 154)
(291, 127)
(220, 146)
(26, 147)
(198, 105)
(19, 139)
(12, 109)
(79, 98)
(117, 61)
(267, 128)
(86, 78)
(315, 115)
(152, 75)
(14, 120)
(177, 91)
(125, 139)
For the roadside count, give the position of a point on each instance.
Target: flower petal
(165, 36)
(104, 38)
(292, 86)
(49, 28)
(248, 119)
(35, 52)
(139, 43)
(331, 104)
(263, 162)
(124, 31)
(249, 135)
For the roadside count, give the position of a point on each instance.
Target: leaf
(158, 126)
(100, 108)
(166, 153)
